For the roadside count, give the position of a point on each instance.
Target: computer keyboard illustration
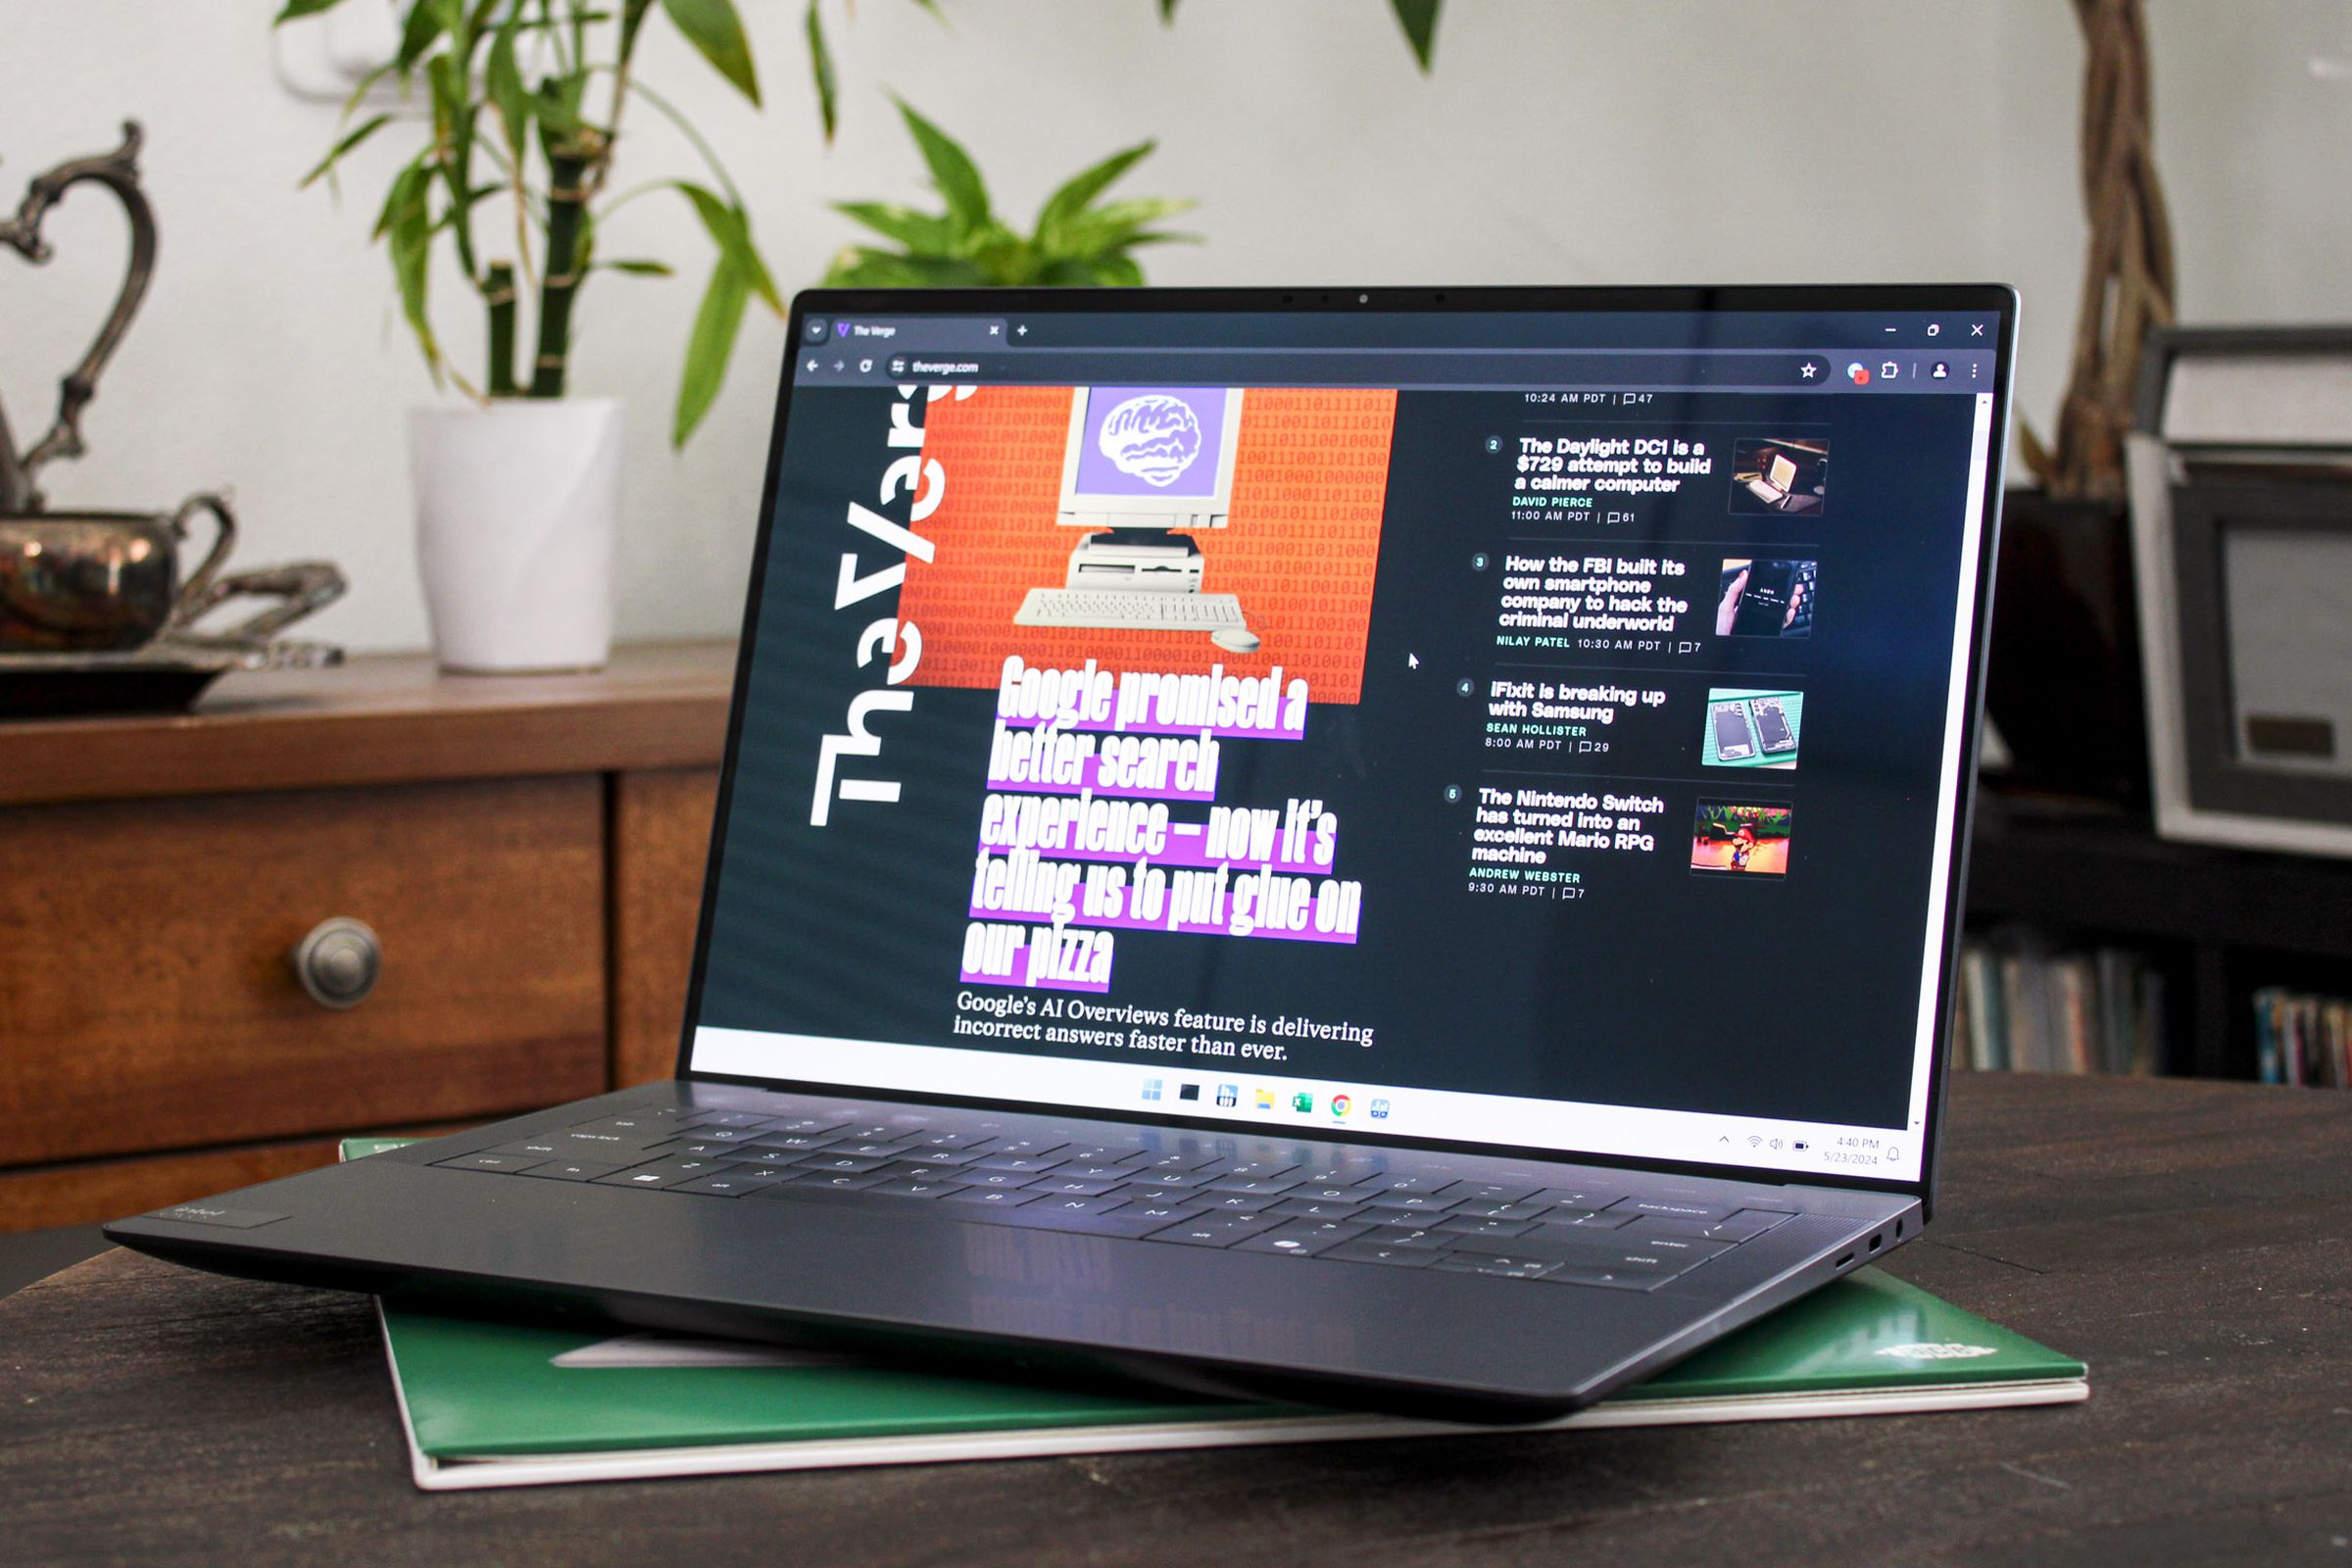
(1248, 1194)
(1129, 609)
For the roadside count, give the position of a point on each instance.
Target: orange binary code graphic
(1310, 475)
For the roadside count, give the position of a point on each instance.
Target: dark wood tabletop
(2192, 1240)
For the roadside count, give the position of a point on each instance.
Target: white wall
(1558, 141)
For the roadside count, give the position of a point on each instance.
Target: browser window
(1536, 729)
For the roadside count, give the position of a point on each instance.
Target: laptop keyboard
(1395, 1208)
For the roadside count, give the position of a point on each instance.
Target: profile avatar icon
(1153, 437)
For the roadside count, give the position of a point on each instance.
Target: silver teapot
(102, 581)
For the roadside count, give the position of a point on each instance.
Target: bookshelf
(2223, 923)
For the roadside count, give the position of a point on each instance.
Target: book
(491, 1403)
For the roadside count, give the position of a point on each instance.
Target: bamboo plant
(528, 101)
(1077, 238)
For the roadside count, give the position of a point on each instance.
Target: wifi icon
(1753, 1139)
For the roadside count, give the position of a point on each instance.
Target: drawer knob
(338, 963)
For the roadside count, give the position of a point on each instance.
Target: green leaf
(426, 22)
(636, 269)
(709, 347)
(296, 10)
(730, 229)
(951, 170)
(917, 231)
(1419, 20)
(632, 18)
(364, 130)
(820, 63)
(1167, 11)
(716, 33)
(409, 236)
(1075, 196)
(502, 79)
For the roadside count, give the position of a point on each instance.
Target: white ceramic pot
(517, 506)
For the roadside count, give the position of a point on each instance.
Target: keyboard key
(637, 1128)
(1581, 1200)
(1018, 1147)
(990, 1197)
(1519, 1267)
(947, 1140)
(1301, 1237)
(1214, 1230)
(1410, 1238)
(1676, 1208)
(1033, 1163)
(1410, 1202)
(1045, 1214)
(1371, 1249)
(661, 1173)
(1262, 1185)
(1327, 1192)
(1488, 1192)
(1407, 1182)
(727, 1184)
(1074, 1187)
(1004, 1180)
(826, 1181)
(795, 1143)
(807, 1125)
(870, 1149)
(569, 1170)
(1645, 1234)
(844, 1164)
(1234, 1202)
(1480, 1209)
(498, 1162)
(1608, 1219)
(1747, 1223)
(1301, 1208)
(1048, 1199)
(1570, 1274)
(544, 1147)
(908, 1188)
(724, 1119)
(1459, 1226)
(1099, 1170)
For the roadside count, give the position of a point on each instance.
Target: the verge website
(1526, 730)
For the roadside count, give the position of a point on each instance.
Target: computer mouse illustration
(1235, 639)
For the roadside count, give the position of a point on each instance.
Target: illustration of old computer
(1146, 468)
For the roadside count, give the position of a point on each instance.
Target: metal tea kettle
(82, 581)
(119, 173)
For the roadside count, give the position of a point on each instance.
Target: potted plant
(1078, 237)
(518, 488)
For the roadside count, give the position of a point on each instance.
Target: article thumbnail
(1775, 474)
(1765, 598)
(1170, 528)
(1741, 840)
(1749, 728)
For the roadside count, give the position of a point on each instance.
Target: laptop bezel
(1994, 299)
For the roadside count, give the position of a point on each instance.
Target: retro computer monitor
(1144, 468)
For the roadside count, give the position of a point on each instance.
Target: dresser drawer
(147, 995)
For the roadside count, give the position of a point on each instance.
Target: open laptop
(1405, 1015)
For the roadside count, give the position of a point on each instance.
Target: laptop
(1405, 1014)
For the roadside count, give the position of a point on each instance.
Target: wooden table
(2192, 1241)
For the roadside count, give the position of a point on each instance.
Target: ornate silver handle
(339, 961)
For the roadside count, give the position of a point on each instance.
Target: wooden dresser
(525, 853)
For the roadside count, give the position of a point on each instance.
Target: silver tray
(166, 675)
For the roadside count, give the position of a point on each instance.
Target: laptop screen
(1411, 724)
